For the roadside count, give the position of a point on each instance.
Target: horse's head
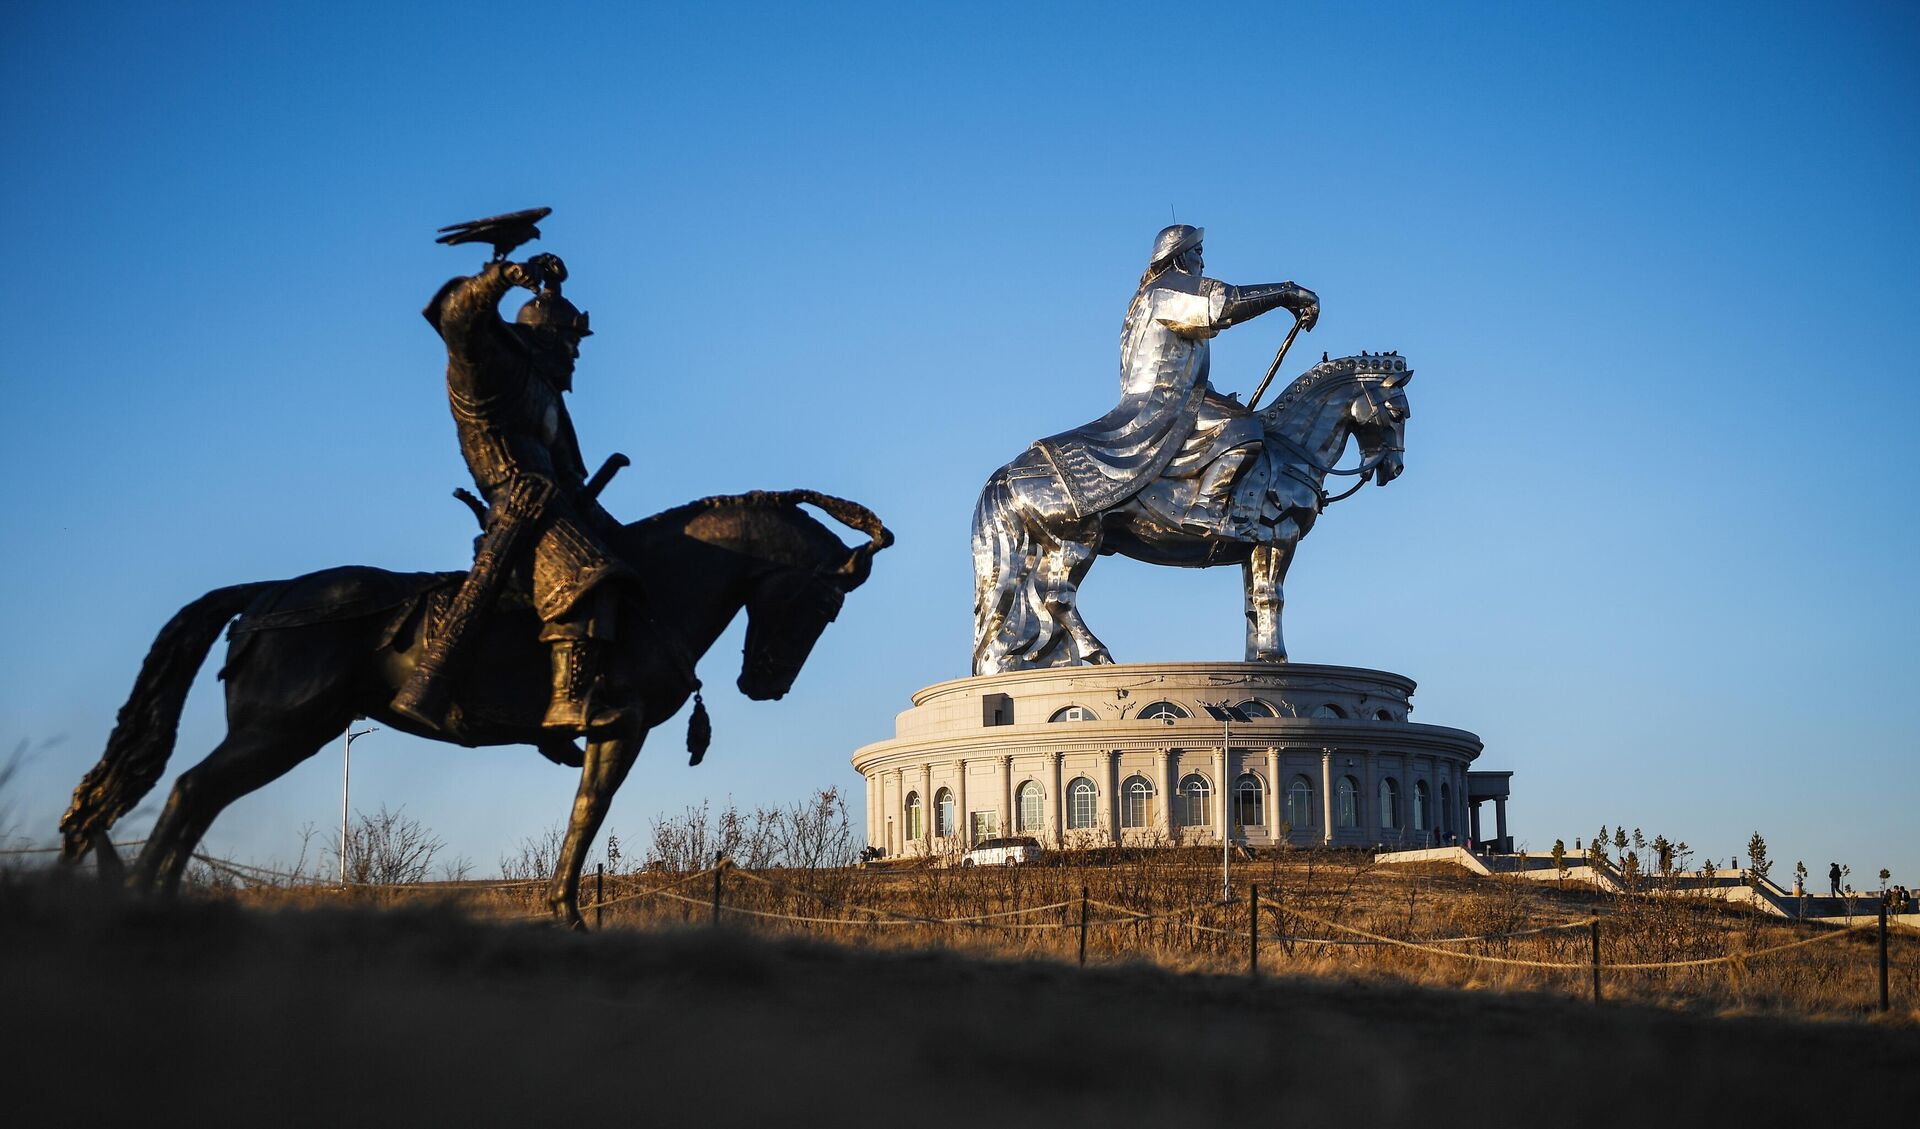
(1362, 397)
(807, 576)
(1378, 417)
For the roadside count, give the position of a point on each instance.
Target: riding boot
(1213, 495)
(576, 679)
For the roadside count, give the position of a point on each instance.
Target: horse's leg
(607, 765)
(1071, 562)
(249, 759)
(1265, 574)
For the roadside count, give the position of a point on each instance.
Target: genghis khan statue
(1170, 424)
(505, 383)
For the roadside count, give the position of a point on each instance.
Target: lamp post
(1225, 714)
(346, 778)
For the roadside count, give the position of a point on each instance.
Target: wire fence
(742, 896)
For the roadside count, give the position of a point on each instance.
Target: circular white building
(1129, 754)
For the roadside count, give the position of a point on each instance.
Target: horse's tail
(143, 734)
(1009, 616)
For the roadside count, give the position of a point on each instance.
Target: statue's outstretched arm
(1243, 303)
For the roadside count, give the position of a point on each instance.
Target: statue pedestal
(1095, 755)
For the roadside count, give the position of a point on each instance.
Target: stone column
(899, 807)
(1164, 784)
(1006, 794)
(926, 808)
(1473, 824)
(1326, 796)
(1058, 804)
(1273, 794)
(965, 830)
(1221, 793)
(1113, 795)
(1500, 820)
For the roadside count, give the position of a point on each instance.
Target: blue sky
(1654, 266)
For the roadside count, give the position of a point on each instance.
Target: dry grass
(1835, 979)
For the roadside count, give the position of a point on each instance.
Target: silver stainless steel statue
(1176, 474)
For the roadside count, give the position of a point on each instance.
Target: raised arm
(466, 311)
(1244, 303)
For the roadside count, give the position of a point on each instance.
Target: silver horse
(1032, 547)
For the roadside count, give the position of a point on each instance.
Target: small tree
(1560, 861)
(1884, 875)
(1757, 859)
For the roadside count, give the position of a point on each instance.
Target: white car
(1011, 851)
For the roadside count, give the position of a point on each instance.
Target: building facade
(1127, 754)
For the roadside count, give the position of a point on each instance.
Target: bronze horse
(308, 655)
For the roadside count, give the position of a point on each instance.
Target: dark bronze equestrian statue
(308, 655)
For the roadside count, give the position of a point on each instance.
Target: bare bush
(388, 848)
(538, 857)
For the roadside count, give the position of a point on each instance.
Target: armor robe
(1168, 422)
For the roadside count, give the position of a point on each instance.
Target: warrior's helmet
(1172, 242)
(548, 310)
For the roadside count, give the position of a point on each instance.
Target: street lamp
(346, 777)
(1225, 715)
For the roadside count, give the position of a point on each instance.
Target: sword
(1275, 366)
(605, 474)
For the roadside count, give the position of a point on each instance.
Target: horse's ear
(853, 572)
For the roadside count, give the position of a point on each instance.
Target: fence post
(1883, 954)
(717, 870)
(1253, 932)
(1083, 927)
(1595, 926)
(599, 895)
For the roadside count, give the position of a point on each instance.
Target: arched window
(1346, 802)
(1254, 707)
(1300, 803)
(1446, 809)
(1328, 709)
(1136, 806)
(1420, 820)
(1190, 806)
(913, 815)
(1072, 713)
(1166, 710)
(1383, 715)
(1389, 803)
(1030, 807)
(1249, 801)
(943, 813)
(1082, 800)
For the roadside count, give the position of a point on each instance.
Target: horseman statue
(1176, 474)
(505, 383)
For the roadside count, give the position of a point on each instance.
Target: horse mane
(851, 514)
(1316, 381)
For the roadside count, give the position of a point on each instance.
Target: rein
(1364, 470)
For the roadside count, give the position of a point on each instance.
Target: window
(1389, 803)
(1328, 709)
(1030, 817)
(1299, 803)
(1254, 707)
(1164, 710)
(1136, 807)
(1249, 801)
(943, 813)
(1383, 715)
(1346, 802)
(1446, 809)
(1082, 798)
(913, 815)
(1190, 806)
(1072, 713)
(1420, 820)
(986, 825)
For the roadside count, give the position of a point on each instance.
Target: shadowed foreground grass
(209, 1013)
